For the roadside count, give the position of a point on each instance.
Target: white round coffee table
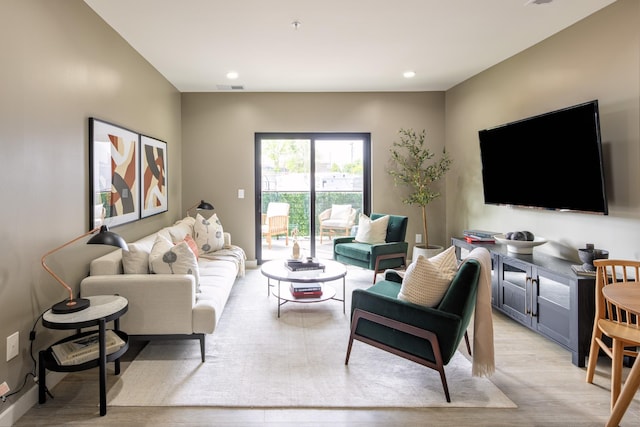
(277, 271)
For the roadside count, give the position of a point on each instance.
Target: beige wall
(597, 58)
(61, 64)
(218, 146)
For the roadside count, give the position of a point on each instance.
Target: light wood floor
(533, 371)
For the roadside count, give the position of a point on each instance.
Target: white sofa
(169, 306)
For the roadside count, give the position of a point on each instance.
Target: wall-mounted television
(550, 161)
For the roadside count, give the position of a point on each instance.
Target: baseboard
(25, 402)
(251, 263)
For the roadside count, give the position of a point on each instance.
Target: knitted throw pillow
(427, 279)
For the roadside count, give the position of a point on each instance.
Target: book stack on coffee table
(306, 290)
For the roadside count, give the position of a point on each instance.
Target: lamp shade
(205, 205)
(201, 206)
(106, 237)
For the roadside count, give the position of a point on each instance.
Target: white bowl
(520, 246)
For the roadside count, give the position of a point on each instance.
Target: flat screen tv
(551, 161)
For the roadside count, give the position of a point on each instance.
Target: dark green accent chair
(380, 257)
(429, 336)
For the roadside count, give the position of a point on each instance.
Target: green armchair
(378, 257)
(428, 336)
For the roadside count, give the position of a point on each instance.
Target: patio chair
(276, 222)
(337, 219)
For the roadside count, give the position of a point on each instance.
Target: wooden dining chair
(612, 321)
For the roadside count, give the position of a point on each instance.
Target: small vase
(296, 250)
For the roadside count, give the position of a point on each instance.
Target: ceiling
(338, 46)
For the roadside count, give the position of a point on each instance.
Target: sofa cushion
(167, 258)
(427, 279)
(136, 259)
(355, 250)
(208, 233)
(372, 231)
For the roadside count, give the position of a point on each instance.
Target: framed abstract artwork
(114, 170)
(153, 166)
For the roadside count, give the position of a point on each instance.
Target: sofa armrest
(347, 239)
(158, 303)
(389, 248)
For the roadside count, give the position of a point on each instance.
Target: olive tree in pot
(413, 165)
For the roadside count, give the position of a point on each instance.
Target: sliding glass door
(299, 179)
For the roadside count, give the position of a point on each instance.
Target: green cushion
(359, 251)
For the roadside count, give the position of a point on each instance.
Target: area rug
(255, 359)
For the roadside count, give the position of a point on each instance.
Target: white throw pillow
(167, 258)
(372, 232)
(427, 279)
(208, 234)
(340, 212)
(135, 260)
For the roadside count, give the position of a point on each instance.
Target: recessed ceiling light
(232, 75)
(409, 74)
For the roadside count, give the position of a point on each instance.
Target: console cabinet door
(552, 308)
(514, 287)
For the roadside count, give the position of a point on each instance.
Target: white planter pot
(427, 252)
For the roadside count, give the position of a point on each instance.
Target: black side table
(103, 309)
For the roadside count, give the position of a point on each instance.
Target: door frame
(312, 136)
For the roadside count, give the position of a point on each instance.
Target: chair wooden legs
(376, 268)
(466, 340)
(594, 350)
(616, 370)
(630, 388)
(438, 365)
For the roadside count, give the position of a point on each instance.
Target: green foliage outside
(299, 205)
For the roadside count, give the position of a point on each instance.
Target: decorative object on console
(587, 255)
(104, 237)
(201, 206)
(114, 172)
(408, 168)
(154, 184)
(524, 247)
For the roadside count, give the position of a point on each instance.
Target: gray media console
(542, 293)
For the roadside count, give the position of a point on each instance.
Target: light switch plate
(13, 345)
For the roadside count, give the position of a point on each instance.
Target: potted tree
(413, 165)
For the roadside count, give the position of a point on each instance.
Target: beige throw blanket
(232, 253)
(483, 353)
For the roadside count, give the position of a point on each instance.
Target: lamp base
(63, 307)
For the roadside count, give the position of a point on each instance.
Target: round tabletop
(625, 295)
(107, 307)
(276, 270)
